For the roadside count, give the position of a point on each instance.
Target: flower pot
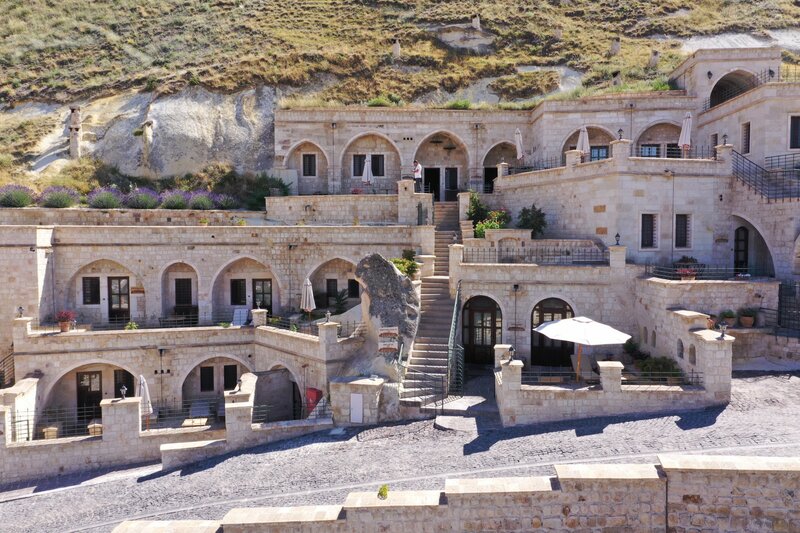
(730, 321)
(64, 326)
(747, 321)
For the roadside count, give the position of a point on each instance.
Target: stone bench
(178, 454)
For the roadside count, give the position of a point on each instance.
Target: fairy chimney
(74, 128)
(147, 141)
(476, 22)
(616, 78)
(396, 49)
(615, 47)
(655, 55)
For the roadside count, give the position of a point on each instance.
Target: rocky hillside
(124, 57)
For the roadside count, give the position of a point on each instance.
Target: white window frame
(657, 229)
(689, 231)
(316, 165)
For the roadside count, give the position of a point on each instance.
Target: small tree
(340, 302)
(477, 210)
(532, 218)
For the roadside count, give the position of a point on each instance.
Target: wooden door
(119, 300)
(741, 250)
(89, 395)
(481, 330)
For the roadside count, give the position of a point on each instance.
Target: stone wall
(680, 492)
(82, 216)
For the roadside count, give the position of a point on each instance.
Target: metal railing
(674, 152)
(27, 425)
(785, 74)
(544, 163)
(431, 386)
(559, 376)
(455, 352)
(537, 256)
(205, 412)
(788, 316)
(344, 330)
(782, 162)
(268, 413)
(7, 371)
(664, 378)
(702, 272)
(777, 184)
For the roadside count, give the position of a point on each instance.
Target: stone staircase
(427, 365)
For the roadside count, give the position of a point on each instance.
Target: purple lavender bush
(142, 198)
(225, 201)
(15, 196)
(174, 199)
(105, 198)
(201, 200)
(59, 197)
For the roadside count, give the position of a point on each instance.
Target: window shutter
(682, 231)
(648, 231)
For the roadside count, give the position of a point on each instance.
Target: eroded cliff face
(169, 135)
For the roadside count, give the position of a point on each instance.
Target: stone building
(642, 234)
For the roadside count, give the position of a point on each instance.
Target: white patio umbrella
(582, 331)
(143, 392)
(583, 141)
(366, 174)
(685, 139)
(518, 143)
(307, 303)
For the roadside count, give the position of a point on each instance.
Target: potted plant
(203, 221)
(747, 316)
(729, 317)
(64, 319)
(687, 273)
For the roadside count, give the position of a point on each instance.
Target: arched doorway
(311, 164)
(545, 351)
(445, 164)
(106, 292)
(335, 286)
(751, 254)
(504, 152)
(277, 397)
(482, 328)
(179, 295)
(211, 378)
(730, 86)
(599, 142)
(384, 159)
(659, 140)
(242, 285)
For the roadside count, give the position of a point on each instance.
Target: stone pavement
(323, 468)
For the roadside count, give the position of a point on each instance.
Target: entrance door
(489, 174)
(90, 393)
(119, 300)
(431, 178)
(741, 250)
(450, 184)
(123, 377)
(331, 290)
(262, 294)
(482, 329)
(545, 351)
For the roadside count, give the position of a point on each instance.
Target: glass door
(262, 294)
(89, 395)
(741, 250)
(119, 300)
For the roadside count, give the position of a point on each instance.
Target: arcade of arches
(445, 165)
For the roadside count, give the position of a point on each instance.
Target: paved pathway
(322, 468)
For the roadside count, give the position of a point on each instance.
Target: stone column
(610, 375)
(616, 256)
(396, 49)
(122, 420)
(620, 150)
(573, 157)
(455, 256)
(259, 317)
(725, 157)
(75, 133)
(328, 338)
(501, 353)
(427, 265)
(463, 205)
(512, 374)
(22, 329)
(5, 427)
(406, 204)
(502, 169)
(715, 361)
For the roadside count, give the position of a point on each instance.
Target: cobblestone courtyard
(760, 420)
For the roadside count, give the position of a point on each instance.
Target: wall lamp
(619, 133)
(725, 139)
(616, 238)
(710, 74)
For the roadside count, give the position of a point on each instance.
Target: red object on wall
(313, 396)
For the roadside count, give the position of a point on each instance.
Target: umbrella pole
(578, 371)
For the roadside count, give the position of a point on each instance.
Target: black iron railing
(702, 272)
(56, 423)
(432, 388)
(559, 376)
(205, 412)
(782, 162)
(785, 74)
(664, 378)
(7, 371)
(455, 352)
(674, 152)
(537, 256)
(777, 184)
(789, 306)
(544, 163)
(268, 413)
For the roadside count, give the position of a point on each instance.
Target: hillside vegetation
(340, 50)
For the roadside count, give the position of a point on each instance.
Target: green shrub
(262, 186)
(728, 313)
(340, 302)
(500, 216)
(406, 266)
(15, 196)
(224, 324)
(383, 492)
(630, 347)
(748, 311)
(458, 104)
(481, 227)
(105, 198)
(174, 200)
(379, 101)
(130, 326)
(532, 218)
(59, 197)
(658, 365)
(201, 201)
(476, 210)
(409, 254)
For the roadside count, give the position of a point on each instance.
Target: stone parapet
(342, 392)
(610, 375)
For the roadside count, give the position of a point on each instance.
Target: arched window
(653, 337)
(692, 354)
(545, 351)
(482, 328)
(680, 349)
(730, 86)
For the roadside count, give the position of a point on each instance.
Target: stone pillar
(22, 329)
(407, 203)
(75, 133)
(616, 256)
(502, 169)
(725, 157)
(610, 375)
(238, 424)
(620, 151)
(5, 427)
(455, 257)
(463, 205)
(428, 263)
(501, 353)
(476, 22)
(147, 142)
(328, 337)
(122, 420)
(715, 361)
(573, 157)
(259, 317)
(512, 374)
(615, 47)
(396, 49)
(655, 56)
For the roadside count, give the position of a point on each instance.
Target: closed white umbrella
(366, 174)
(518, 143)
(307, 303)
(582, 331)
(685, 139)
(143, 392)
(583, 141)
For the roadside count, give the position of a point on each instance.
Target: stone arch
(659, 139)
(731, 85)
(218, 361)
(481, 329)
(339, 269)
(170, 304)
(316, 183)
(103, 269)
(653, 338)
(692, 354)
(598, 136)
(48, 392)
(252, 269)
(278, 395)
(363, 134)
(439, 151)
(372, 143)
(679, 349)
(497, 150)
(545, 351)
(759, 250)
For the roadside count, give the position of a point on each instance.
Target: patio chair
(239, 317)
